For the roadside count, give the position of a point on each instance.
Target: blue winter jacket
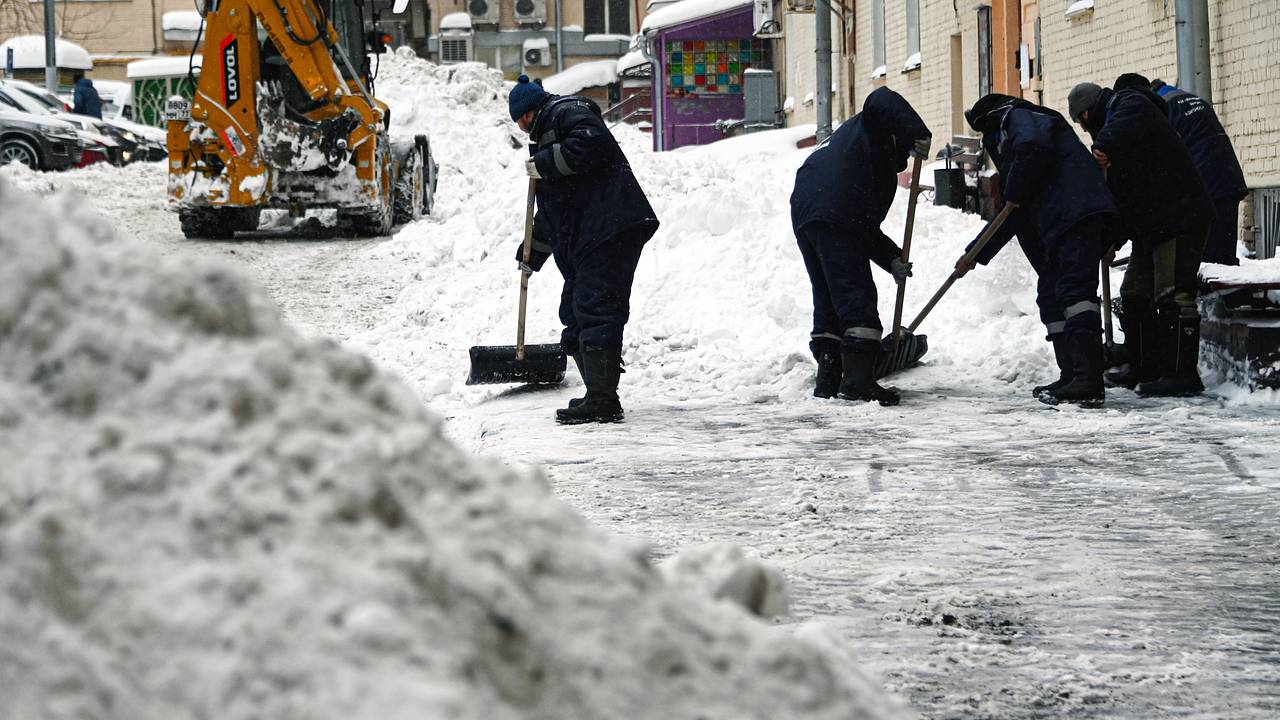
(1152, 176)
(850, 180)
(1048, 172)
(86, 100)
(1207, 141)
(587, 193)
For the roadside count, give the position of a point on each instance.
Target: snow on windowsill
(1079, 7)
(878, 73)
(912, 63)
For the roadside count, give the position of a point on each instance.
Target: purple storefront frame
(691, 120)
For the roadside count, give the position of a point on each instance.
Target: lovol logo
(230, 71)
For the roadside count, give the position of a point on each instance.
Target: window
(984, 51)
(606, 17)
(877, 31)
(913, 36)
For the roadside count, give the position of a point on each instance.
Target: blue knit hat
(525, 96)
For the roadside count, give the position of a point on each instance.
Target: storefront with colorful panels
(699, 64)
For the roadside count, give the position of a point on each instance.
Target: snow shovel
(982, 241)
(519, 363)
(901, 348)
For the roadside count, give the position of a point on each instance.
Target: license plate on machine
(177, 108)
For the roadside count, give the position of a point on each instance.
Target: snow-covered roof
(181, 20)
(581, 76)
(631, 60)
(28, 52)
(169, 66)
(539, 43)
(604, 37)
(456, 21)
(687, 11)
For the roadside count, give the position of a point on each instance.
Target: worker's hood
(891, 120)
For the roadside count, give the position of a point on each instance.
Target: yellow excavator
(284, 116)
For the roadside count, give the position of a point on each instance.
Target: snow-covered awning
(597, 73)
(456, 21)
(175, 66)
(28, 53)
(181, 25)
(688, 11)
(631, 61)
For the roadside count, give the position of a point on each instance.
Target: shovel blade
(497, 364)
(911, 348)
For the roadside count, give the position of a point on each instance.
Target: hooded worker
(1166, 211)
(594, 218)
(1214, 157)
(85, 99)
(1062, 218)
(842, 193)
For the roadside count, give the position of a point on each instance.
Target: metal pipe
(1192, 41)
(50, 49)
(822, 67)
(559, 35)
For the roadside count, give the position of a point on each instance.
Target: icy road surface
(990, 557)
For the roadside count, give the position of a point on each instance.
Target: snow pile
(721, 306)
(203, 515)
(1246, 273)
(687, 11)
(596, 73)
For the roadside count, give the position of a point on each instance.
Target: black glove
(537, 258)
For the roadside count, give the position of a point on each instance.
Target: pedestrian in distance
(842, 193)
(1215, 159)
(593, 217)
(1062, 220)
(85, 99)
(1166, 211)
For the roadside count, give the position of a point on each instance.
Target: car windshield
(22, 101)
(49, 102)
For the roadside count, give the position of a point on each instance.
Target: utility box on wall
(760, 90)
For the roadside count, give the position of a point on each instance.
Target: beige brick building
(1040, 49)
(115, 32)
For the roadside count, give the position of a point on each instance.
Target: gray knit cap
(1082, 97)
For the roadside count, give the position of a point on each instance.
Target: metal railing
(1266, 221)
(634, 107)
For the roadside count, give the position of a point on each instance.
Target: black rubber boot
(1180, 371)
(1062, 354)
(601, 369)
(830, 367)
(577, 361)
(1087, 364)
(859, 382)
(1141, 345)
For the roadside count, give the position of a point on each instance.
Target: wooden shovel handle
(524, 274)
(906, 250)
(985, 237)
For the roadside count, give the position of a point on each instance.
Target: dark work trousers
(1166, 273)
(596, 300)
(844, 295)
(1223, 233)
(1067, 274)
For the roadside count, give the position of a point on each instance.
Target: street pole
(559, 36)
(1195, 73)
(822, 64)
(50, 49)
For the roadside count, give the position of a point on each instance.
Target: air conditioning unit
(762, 20)
(537, 53)
(800, 6)
(455, 48)
(531, 12)
(484, 12)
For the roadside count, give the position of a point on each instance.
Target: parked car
(40, 143)
(138, 142)
(97, 146)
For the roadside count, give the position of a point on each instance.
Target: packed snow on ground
(205, 515)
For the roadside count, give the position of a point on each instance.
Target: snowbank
(596, 73)
(1247, 272)
(203, 515)
(28, 52)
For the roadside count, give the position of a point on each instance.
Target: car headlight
(129, 136)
